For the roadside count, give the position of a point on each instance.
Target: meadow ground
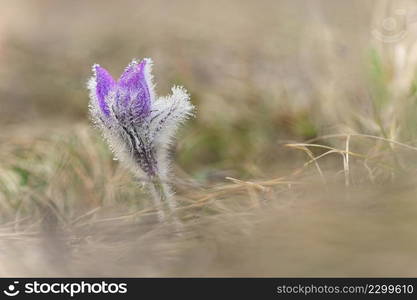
(301, 160)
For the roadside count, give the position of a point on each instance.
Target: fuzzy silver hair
(137, 125)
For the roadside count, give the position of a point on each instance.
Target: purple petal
(105, 84)
(133, 92)
(128, 71)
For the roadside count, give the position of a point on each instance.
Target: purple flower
(137, 125)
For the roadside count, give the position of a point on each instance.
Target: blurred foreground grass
(68, 209)
(301, 160)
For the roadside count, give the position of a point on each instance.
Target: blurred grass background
(268, 78)
(255, 77)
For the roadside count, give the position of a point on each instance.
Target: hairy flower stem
(161, 196)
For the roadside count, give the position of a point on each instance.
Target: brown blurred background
(256, 70)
